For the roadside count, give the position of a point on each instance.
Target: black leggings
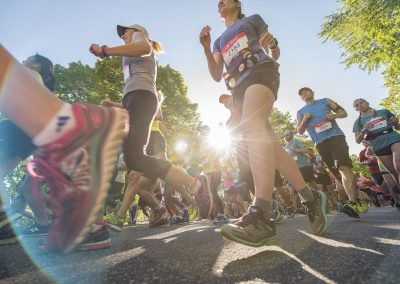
(142, 107)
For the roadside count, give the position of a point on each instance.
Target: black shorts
(157, 144)
(323, 178)
(266, 74)
(308, 173)
(14, 142)
(378, 178)
(385, 151)
(335, 153)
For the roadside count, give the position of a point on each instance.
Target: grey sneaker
(158, 214)
(252, 229)
(316, 212)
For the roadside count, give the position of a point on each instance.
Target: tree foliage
(369, 33)
(79, 82)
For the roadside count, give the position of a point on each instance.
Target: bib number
(234, 46)
(377, 123)
(323, 126)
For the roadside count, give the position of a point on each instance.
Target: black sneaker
(251, 229)
(316, 212)
(350, 209)
(98, 238)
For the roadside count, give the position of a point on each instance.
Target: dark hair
(358, 121)
(46, 71)
(304, 89)
(240, 14)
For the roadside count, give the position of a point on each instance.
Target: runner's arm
(270, 45)
(139, 46)
(302, 123)
(339, 112)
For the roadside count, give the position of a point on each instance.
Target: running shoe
(157, 214)
(316, 212)
(252, 229)
(98, 238)
(163, 222)
(35, 230)
(221, 219)
(177, 220)
(351, 210)
(114, 221)
(77, 168)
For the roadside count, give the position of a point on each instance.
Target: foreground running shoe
(77, 168)
(163, 222)
(316, 212)
(35, 230)
(114, 221)
(252, 229)
(351, 210)
(98, 238)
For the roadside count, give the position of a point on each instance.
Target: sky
(64, 30)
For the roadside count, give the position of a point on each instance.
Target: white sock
(61, 123)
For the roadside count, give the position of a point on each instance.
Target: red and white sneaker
(77, 169)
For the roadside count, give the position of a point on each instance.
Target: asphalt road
(365, 250)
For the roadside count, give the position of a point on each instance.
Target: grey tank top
(140, 73)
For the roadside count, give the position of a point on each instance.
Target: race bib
(377, 123)
(323, 126)
(234, 46)
(127, 74)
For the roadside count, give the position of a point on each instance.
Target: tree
(369, 33)
(79, 82)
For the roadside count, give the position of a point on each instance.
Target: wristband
(103, 50)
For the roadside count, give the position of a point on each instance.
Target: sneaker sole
(108, 152)
(323, 207)
(99, 245)
(272, 241)
(350, 212)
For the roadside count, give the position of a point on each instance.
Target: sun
(219, 138)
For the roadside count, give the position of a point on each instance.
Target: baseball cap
(121, 29)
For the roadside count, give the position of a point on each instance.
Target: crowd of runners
(87, 163)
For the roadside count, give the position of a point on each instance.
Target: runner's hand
(205, 37)
(393, 120)
(330, 116)
(96, 50)
(267, 41)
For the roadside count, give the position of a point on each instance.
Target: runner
(298, 152)
(77, 171)
(318, 117)
(377, 127)
(140, 100)
(249, 51)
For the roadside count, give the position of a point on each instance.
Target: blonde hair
(157, 48)
(240, 14)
